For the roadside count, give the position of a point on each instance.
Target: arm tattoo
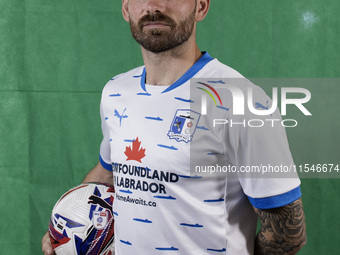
(283, 230)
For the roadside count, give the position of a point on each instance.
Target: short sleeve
(262, 155)
(104, 156)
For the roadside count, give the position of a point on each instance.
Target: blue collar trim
(142, 80)
(204, 59)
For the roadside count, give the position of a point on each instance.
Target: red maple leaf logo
(135, 153)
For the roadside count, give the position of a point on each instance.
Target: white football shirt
(155, 138)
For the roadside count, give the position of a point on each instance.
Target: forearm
(283, 230)
(277, 246)
(99, 174)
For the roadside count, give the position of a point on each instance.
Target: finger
(47, 249)
(46, 245)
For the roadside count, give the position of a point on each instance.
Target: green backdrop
(56, 56)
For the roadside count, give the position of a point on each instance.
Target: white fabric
(159, 208)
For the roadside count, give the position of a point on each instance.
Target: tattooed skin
(283, 230)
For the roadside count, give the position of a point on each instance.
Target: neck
(166, 67)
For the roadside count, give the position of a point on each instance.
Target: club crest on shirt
(184, 125)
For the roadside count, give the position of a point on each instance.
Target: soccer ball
(82, 221)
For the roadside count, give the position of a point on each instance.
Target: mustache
(156, 17)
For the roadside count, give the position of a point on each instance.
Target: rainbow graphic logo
(213, 94)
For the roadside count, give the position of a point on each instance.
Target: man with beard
(147, 131)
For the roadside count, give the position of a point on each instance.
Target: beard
(161, 40)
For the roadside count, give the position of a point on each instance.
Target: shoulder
(230, 78)
(124, 78)
(219, 73)
(216, 69)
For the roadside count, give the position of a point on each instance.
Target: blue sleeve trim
(104, 164)
(276, 201)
